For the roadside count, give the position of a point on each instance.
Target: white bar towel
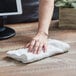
(54, 47)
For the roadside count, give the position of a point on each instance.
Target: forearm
(46, 8)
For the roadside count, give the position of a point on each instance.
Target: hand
(38, 43)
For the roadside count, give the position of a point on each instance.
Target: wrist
(43, 30)
(43, 33)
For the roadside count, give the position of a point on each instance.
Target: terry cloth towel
(54, 47)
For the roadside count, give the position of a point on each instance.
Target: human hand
(38, 43)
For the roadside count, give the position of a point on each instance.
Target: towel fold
(54, 47)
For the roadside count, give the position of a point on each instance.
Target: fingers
(35, 49)
(31, 45)
(44, 48)
(35, 46)
(27, 45)
(40, 48)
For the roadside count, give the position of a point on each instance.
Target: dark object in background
(30, 13)
(5, 32)
(56, 14)
(8, 7)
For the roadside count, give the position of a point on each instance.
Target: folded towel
(54, 47)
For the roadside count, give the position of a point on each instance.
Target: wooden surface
(67, 18)
(60, 65)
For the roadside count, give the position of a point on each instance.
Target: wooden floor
(60, 65)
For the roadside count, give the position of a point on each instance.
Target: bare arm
(45, 14)
(46, 8)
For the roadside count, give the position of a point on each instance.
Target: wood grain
(67, 17)
(60, 65)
